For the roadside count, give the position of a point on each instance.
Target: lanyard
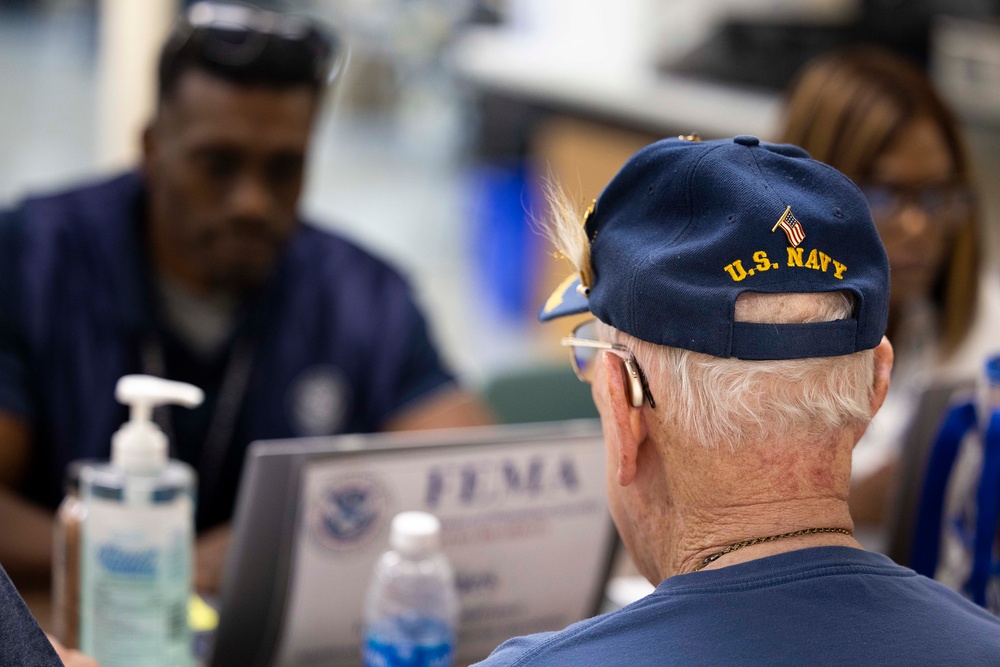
(222, 423)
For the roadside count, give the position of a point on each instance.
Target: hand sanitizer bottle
(137, 538)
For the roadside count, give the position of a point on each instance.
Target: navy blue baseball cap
(687, 226)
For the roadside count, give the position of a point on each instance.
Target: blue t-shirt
(819, 606)
(332, 343)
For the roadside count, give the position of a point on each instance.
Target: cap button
(746, 140)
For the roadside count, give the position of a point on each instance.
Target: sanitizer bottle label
(136, 574)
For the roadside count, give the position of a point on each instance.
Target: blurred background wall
(451, 112)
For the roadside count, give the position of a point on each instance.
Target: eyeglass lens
(583, 357)
(234, 45)
(948, 203)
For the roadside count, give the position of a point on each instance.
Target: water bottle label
(383, 654)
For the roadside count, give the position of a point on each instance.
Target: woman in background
(877, 118)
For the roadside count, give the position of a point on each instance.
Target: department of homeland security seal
(317, 401)
(347, 513)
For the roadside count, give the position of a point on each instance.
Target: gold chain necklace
(760, 540)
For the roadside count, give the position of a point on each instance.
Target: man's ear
(628, 422)
(883, 368)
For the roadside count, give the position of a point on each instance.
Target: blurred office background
(450, 112)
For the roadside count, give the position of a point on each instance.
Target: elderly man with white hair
(737, 354)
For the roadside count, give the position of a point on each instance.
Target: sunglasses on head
(235, 36)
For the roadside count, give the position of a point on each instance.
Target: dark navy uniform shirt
(332, 343)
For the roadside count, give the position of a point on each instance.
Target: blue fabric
(75, 302)
(685, 227)
(927, 532)
(820, 606)
(22, 642)
(987, 513)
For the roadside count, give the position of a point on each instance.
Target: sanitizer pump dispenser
(140, 446)
(138, 538)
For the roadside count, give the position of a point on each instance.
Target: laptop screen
(524, 523)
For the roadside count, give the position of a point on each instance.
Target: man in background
(197, 267)
(741, 293)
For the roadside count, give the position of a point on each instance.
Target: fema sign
(347, 513)
(502, 481)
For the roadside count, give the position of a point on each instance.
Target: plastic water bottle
(412, 604)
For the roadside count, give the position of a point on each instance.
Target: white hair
(729, 402)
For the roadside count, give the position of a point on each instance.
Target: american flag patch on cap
(791, 225)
